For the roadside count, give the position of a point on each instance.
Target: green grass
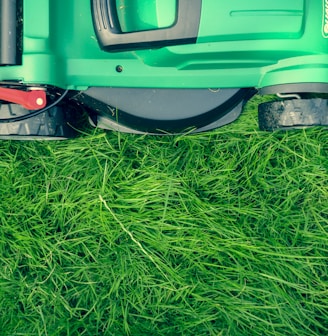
(224, 233)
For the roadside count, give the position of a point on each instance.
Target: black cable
(35, 112)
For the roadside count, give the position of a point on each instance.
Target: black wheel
(50, 125)
(293, 113)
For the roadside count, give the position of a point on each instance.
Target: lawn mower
(160, 66)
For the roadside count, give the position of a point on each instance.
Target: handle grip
(111, 37)
(9, 44)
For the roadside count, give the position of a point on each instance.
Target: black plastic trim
(295, 88)
(111, 38)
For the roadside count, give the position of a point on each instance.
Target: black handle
(9, 46)
(111, 37)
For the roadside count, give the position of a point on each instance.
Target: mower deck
(163, 65)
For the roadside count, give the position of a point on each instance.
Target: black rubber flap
(169, 110)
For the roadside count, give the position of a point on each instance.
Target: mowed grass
(224, 233)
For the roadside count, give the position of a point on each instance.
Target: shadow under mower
(160, 66)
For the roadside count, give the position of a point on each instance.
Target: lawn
(223, 233)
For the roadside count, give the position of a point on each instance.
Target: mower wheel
(293, 113)
(49, 125)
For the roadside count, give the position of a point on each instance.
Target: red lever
(31, 100)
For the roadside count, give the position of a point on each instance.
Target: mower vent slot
(11, 22)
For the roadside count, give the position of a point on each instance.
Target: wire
(34, 113)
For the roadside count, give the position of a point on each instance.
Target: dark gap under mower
(160, 66)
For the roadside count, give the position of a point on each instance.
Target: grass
(224, 233)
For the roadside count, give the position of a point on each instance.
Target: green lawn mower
(160, 66)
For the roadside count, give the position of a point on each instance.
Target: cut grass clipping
(224, 233)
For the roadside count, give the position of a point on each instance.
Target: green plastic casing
(257, 43)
